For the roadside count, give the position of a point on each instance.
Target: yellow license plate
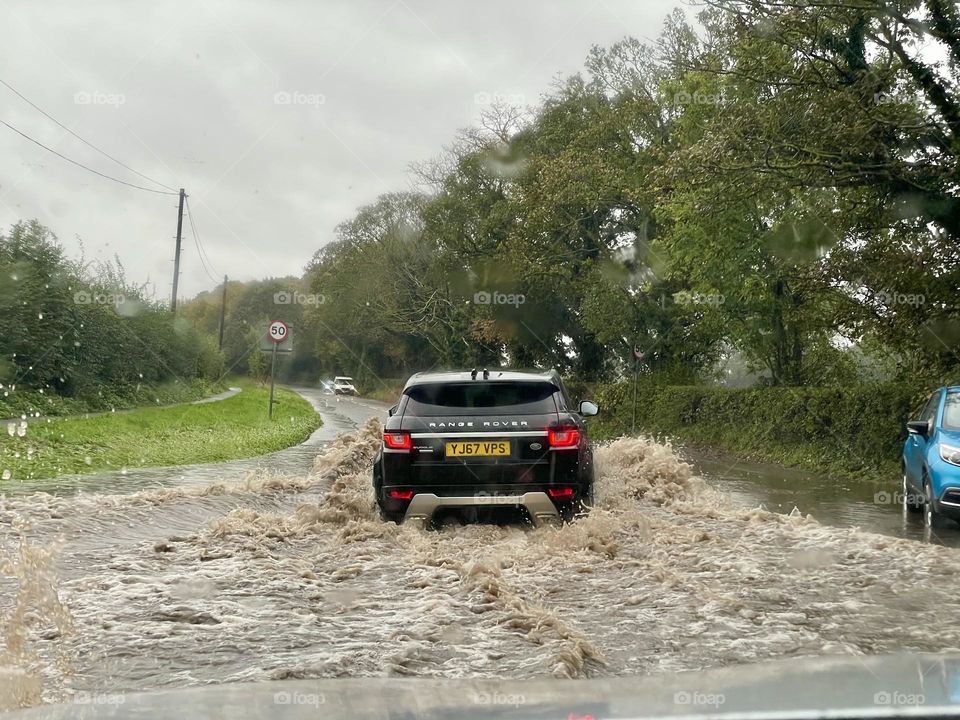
(482, 448)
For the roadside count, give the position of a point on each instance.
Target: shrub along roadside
(227, 429)
(17, 401)
(850, 431)
(383, 390)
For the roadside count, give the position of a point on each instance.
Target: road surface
(280, 568)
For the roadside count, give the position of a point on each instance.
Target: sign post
(638, 355)
(276, 333)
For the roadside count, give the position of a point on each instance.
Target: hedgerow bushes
(855, 430)
(81, 335)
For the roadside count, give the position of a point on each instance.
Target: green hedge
(856, 430)
(17, 401)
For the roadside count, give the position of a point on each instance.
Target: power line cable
(203, 247)
(205, 262)
(85, 142)
(204, 257)
(81, 165)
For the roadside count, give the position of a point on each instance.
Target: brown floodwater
(280, 567)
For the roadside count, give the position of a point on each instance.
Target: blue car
(931, 457)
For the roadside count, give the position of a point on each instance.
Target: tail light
(560, 493)
(398, 440)
(563, 437)
(401, 494)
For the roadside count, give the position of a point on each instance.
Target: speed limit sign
(278, 331)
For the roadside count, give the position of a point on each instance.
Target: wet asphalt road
(868, 505)
(279, 567)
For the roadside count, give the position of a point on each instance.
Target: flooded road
(842, 502)
(286, 571)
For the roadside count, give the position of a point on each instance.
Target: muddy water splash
(297, 578)
(36, 609)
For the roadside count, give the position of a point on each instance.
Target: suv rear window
(481, 398)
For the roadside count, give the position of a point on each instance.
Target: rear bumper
(482, 483)
(538, 504)
(479, 495)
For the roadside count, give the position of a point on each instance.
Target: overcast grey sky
(279, 118)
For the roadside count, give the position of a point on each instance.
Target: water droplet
(6, 475)
(11, 429)
(87, 460)
(40, 316)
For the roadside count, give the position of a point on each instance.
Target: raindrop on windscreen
(22, 429)
(87, 460)
(40, 316)
(11, 429)
(6, 475)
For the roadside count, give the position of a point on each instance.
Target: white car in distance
(343, 385)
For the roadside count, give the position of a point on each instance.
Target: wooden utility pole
(176, 255)
(223, 309)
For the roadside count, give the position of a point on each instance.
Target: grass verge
(233, 428)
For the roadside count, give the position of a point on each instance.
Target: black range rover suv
(474, 439)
